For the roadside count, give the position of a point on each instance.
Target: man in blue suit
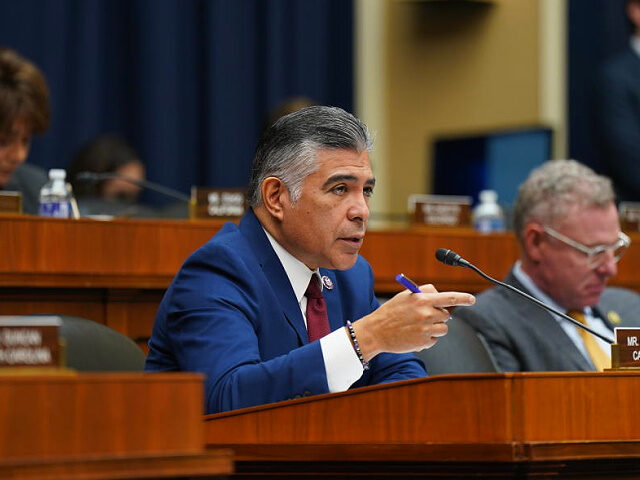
(617, 121)
(247, 308)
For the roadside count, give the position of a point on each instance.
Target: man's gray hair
(287, 149)
(552, 190)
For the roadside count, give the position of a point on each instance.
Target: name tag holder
(625, 352)
(30, 342)
(10, 202)
(630, 216)
(218, 203)
(440, 210)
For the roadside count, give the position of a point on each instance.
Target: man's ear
(533, 241)
(274, 196)
(633, 12)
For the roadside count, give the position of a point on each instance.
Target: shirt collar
(635, 44)
(297, 272)
(529, 284)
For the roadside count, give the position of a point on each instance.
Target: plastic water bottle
(56, 195)
(488, 215)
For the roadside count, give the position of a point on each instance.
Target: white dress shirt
(570, 329)
(635, 44)
(341, 364)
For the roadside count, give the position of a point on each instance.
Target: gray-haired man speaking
(282, 305)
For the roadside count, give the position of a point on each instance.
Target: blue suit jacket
(231, 314)
(617, 123)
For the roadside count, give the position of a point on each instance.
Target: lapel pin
(614, 317)
(326, 281)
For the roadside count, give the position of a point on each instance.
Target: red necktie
(317, 319)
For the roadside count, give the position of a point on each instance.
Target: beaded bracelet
(356, 347)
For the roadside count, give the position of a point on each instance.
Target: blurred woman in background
(24, 110)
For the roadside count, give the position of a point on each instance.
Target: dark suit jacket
(617, 122)
(525, 338)
(231, 313)
(28, 179)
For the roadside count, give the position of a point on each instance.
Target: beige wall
(449, 68)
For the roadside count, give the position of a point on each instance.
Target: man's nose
(609, 267)
(359, 210)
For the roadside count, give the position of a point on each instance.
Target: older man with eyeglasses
(567, 226)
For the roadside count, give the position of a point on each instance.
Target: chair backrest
(462, 350)
(93, 347)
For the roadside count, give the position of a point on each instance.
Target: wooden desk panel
(51, 252)
(116, 272)
(412, 252)
(209, 464)
(448, 409)
(522, 425)
(67, 425)
(44, 416)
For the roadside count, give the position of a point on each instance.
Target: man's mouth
(355, 240)
(596, 288)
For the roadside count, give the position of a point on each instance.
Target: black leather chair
(462, 350)
(93, 347)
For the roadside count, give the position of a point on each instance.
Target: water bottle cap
(488, 196)
(57, 174)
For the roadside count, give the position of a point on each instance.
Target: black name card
(630, 216)
(440, 210)
(218, 202)
(29, 341)
(625, 353)
(10, 202)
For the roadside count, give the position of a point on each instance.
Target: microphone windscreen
(447, 256)
(441, 254)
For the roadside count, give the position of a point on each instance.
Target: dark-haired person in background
(24, 110)
(285, 107)
(107, 153)
(617, 119)
(264, 308)
(567, 226)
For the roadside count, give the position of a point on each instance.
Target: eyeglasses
(596, 256)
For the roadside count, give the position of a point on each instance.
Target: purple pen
(404, 280)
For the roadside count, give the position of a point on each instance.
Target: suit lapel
(635, 62)
(547, 325)
(274, 273)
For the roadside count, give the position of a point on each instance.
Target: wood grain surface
(525, 425)
(64, 425)
(116, 272)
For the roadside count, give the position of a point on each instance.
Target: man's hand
(408, 322)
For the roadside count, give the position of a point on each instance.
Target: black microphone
(98, 177)
(449, 257)
(452, 258)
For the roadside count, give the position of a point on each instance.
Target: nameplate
(625, 353)
(29, 341)
(629, 213)
(229, 203)
(10, 202)
(440, 210)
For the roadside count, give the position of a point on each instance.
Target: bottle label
(55, 209)
(487, 225)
